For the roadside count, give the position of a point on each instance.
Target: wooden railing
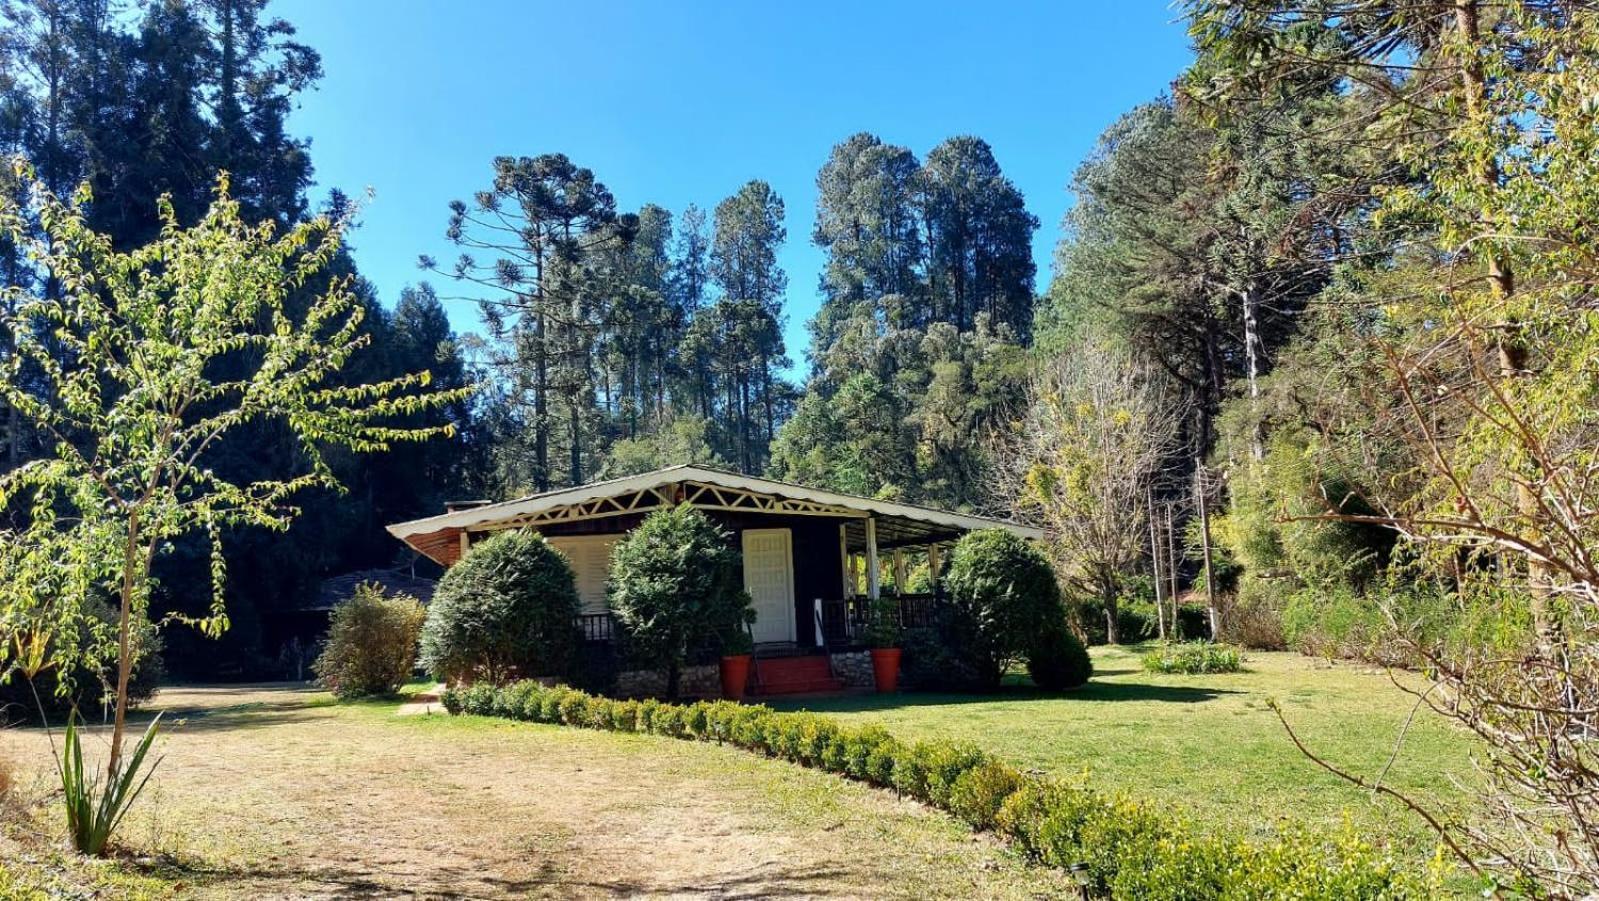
(843, 622)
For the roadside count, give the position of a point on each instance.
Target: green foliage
(508, 608)
(1131, 849)
(372, 643)
(674, 589)
(1056, 660)
(1003, 595)
(934, 659)
(884, 630)
(1194, 658)
(93, 809)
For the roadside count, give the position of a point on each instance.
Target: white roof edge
(466, 519)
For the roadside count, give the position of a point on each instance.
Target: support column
(899, 571)
(932, 564)
(871, 557)
(466, 542)
(843, 561)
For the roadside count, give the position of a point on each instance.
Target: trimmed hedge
(1127, 848)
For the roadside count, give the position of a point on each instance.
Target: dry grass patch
(276, 792)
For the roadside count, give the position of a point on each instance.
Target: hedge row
(1126, 849)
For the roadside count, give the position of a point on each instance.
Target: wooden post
(466, 542)
(843, 560)
(1204, 537)
(1154, 560)
(1172, 569)
(871, 558)
(899, 570)
(932, 566)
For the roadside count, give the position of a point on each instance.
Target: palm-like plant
(93, 810)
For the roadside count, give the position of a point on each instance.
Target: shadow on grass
(1101, 692)
(289, 878)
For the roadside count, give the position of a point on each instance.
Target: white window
(590, 556)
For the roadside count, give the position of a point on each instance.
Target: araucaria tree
(1083, 460)
(138, 365)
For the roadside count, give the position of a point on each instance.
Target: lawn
(1210, 743)
(274, 791)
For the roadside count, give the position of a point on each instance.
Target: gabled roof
(488, 515)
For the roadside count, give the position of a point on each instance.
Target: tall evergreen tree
(979, 238)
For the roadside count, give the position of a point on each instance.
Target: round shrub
(675, 588)
(1057, 660)
(1003, 595)
(508, 608)
(371, 647)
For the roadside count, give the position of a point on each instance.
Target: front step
(809, 687)
(794, 675)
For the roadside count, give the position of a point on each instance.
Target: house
(812, 559)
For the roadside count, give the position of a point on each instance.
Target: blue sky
(679, 102)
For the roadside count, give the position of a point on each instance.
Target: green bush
(1003, 595)
(508, 608)
(674, 587)
(1127, 849)
(933, 659)
(371, 646)
(1057, 660)
(978, 795)
(1194, 658)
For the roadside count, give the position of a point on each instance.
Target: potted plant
(883, 634)
(735, 664)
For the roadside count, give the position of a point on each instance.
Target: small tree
(372, 642)
(136, 366)
(1004, 596)
(674, 587)
(1082, 461)
(508, 608)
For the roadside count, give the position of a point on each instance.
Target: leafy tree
(1004, 597)
(1084, 461)
(130, 353)
(674, 588)
(508, 608)
(1481, 324)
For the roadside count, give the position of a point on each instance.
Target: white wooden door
(769, 578)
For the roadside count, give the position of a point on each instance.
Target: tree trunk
(541, 389)
(1108, 590)
(130, 562)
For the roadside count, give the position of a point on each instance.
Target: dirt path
(272, 792)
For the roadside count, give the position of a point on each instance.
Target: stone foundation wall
(693, 682)
(854, 669)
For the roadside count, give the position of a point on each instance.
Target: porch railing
(597, 626)
(843, 622)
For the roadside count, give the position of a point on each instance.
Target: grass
(271, 791)
(1210, 743)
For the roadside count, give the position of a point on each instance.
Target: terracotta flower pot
(885, 668)
(735, 670)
